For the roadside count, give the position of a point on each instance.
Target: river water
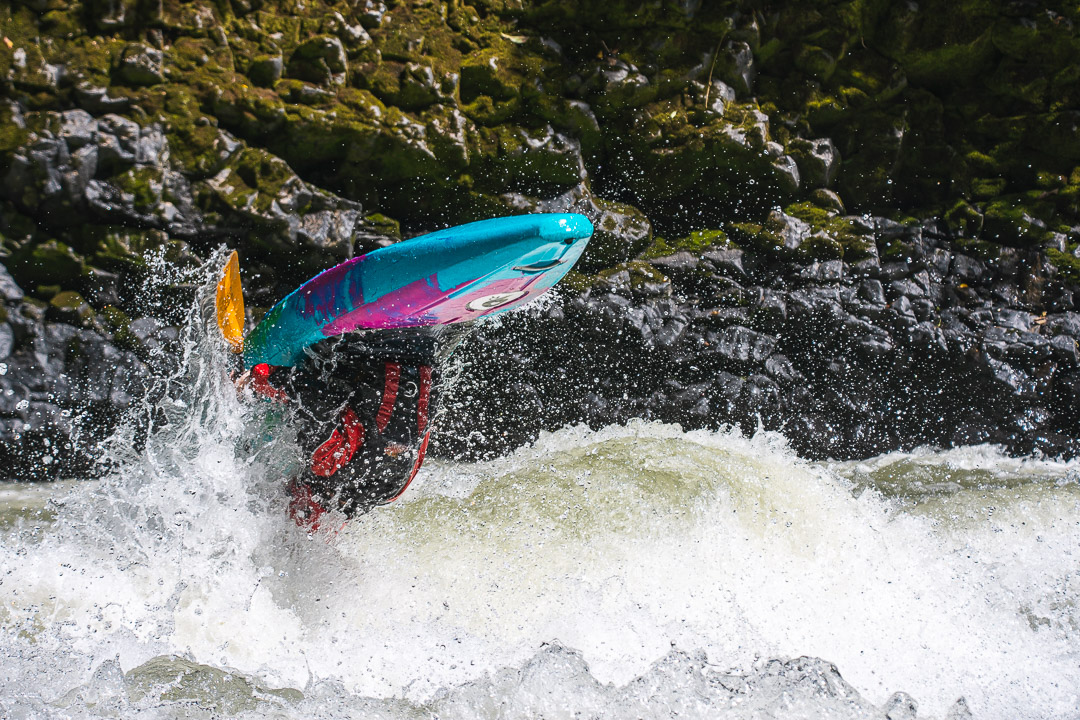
(636, 571)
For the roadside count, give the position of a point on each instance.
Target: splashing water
(632, 571)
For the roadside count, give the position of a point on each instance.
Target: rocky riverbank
(857, 224)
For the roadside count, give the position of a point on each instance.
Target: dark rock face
(61, 390)
(843, 364)
(856, 223)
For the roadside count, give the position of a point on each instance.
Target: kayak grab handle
(538, 267)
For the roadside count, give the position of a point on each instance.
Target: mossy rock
(47, 292)
(1016, 220)
(491, 71)
(13, 135)
(122, 249)
(265, 70)
(492, 113)
(639, 277)
(756, 238)
(145, 183)
(256, 179)
(320, 60)
(570, 116)
(70, 307)
(1067, 264)
(985, 188)
(383, 225)
(118, 323)
(696, 243)
(820, 246)
(833, 236)
(868, 171)
(812, 214)
(140, 65)
(534, 162)
(622, 231)
(827, 200)
(706, 171)
(964, 220)
(815, 61)
(51, 262)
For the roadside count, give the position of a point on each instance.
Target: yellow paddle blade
(230, 304)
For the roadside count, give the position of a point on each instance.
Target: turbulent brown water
(637, 571)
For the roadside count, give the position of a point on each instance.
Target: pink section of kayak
(423, 303)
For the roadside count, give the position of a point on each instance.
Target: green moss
(822, 247)
(982, 249)
(576, 283)
(121, 249)
(952, 63)
(49, 263)
(12, 136)
(695, 243)
(69, 306)
(485, 111)
(1068, 265)
(1017, 219)
(832, 236)
(1050, 181)
(757, 238)
(983, 188)
(145, 183)
(964, 219)
(981, 162)
(383, 225)
(491, 72)
(644, 278)
(255, 180)
(119, 324)
(815, 216)
(815, 61)
(47, 292)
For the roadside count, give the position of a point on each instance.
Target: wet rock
(967, 269)
(141, 65)
(735, 66)
(872, 292)
(9, 289)
(786, 174)
(320, 60)
(831, 271)
(741, 345)
(266, 70)
(818, 162)
(660, 324)
(725, 316)
(70, 307)
(870, 313)
(792, 231)
(927, 337)
(621, 231)
(727, 262)
(1066, 323)
(7, 340)
(782, 370)
(1012, 319)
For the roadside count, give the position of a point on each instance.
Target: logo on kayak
(490, 302)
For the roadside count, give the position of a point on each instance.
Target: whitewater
(631, 571)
